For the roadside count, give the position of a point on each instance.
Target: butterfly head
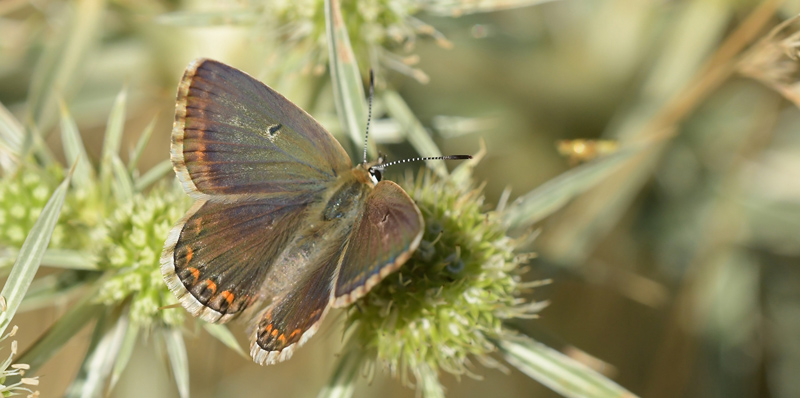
(375, 169)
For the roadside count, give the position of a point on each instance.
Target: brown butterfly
(283, 224)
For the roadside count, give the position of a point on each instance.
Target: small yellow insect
(581, 150)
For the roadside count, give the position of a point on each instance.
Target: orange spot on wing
(268, 328)
(228, 296)
(282, 339)
(274, 332)
(195, 272)
(295, 333)
(211, 285)
(189, 255)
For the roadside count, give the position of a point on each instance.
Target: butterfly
(283, 227)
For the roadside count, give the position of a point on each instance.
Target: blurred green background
(679, 274)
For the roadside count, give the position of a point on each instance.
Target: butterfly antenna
(369, 115)
(449, 157)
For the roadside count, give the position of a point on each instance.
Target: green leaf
(74, 150)
(152, 176)
(144, 138)
(124, 354)
(59, 258)
(343, 381)
(109, 333)
(179, 361)
(348, 90)
(450, 8)
(122, 185)
(554, 194)
(60, 66)
(62, 331)
(70, 259)
(224, 335)
(557, 371)
(417, 135)
(31, 253)
(112, 141)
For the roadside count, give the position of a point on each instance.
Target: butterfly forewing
(233, 136)
(217, 257)
(387, 232)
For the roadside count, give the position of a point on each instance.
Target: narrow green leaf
(342, 383)
(417, 135)
(451, 8)
(112, 141)
(12, 136)
(348, 90)
(59, 258)
(107, 340)
(224, 335)
(124, 355)
(70, 259)
(144, 138)
(554, 194)
(122, 185)
(74, 150)
(59, 69)
(152, 176)
(176, 350)
(62, 331)
(31, 253)
(557, 371)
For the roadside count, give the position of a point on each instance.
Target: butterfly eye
(376, 175)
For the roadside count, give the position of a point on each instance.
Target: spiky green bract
(24, 194)
(450, 299)
(131, 253)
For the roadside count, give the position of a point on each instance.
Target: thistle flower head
(24, 194)
(375, 27)
(134, 241)
(449, 301)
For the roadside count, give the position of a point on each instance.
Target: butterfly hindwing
(383, 238)
(216, 258)
(235, 137)
(295, 316)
